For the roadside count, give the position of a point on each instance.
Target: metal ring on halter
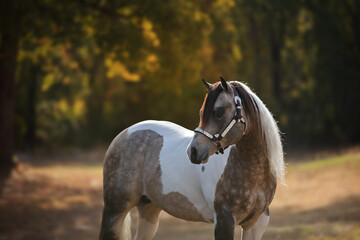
(237, 99)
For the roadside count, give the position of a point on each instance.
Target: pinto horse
(158, 165)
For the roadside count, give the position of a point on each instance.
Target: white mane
(271, 136)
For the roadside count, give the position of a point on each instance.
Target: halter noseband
(216, 138)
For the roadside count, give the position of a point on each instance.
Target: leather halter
(216, 138)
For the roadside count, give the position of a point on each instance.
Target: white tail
(124, 231)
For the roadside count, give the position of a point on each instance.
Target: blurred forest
(75, 73)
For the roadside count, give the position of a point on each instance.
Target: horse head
(224, 119)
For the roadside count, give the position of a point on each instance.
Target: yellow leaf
(49, 79)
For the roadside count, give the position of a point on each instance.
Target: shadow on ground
(62, 200)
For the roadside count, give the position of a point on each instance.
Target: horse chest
(246, 204)
(245, 192)
(239, 199)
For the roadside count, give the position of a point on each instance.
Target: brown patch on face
(208, 104)
(132, 169)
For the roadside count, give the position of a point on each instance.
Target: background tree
(78, 72)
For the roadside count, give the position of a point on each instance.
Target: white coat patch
(178, 173)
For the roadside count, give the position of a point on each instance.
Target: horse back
(149, 159)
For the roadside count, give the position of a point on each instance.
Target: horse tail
(125, 231)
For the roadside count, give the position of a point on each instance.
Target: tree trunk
(275, 57)
(31, 111)
(8, 53)
(255, 42)
(276, 44)
(95, 100)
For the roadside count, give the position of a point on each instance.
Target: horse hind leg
(148, 220)
(257, 231)
(115, 224)
(116, 221)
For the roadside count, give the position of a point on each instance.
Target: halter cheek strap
(216, 138)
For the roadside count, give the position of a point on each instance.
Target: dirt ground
(60, 197)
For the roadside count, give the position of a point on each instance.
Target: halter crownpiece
(216, 138)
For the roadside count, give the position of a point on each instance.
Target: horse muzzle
(196, 155)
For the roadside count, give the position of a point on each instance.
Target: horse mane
(266, 124)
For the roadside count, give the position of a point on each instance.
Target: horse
(159, 165)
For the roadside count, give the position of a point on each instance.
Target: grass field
(61, 198)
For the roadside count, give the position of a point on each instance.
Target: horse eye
(219, 112)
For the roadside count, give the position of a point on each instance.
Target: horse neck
(253, 159)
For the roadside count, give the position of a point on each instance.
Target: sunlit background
(76, 73)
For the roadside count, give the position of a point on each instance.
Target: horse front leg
(224, 225)
(257, 231)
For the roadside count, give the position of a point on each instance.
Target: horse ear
(224, 84)
(207, 85)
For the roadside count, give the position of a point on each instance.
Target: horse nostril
(193, 154)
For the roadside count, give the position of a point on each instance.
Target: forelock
(209, 102)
